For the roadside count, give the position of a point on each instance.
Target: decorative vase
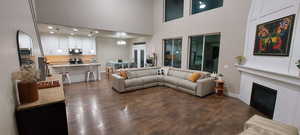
(240, 62)
(28, 92)
(220, 78)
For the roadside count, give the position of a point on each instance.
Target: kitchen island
(77, 72)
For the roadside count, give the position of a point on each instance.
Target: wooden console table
(47, 116)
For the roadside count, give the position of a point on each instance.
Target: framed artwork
(274, 38)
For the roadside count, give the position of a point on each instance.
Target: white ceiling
(66, 30)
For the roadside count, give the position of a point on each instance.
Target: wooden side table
(219, 87)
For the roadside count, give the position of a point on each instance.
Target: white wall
(107, 50)
(116, 15)
(265, 11)
(230, 20)
(15, 15)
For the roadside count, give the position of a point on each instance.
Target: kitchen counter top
(77, 72)
(47, 96)
(74, 65)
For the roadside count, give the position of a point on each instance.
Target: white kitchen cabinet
(75, 42)
(63, 47)
(88, 46)
(60, 44)
(50, 44)
(85, 46)
(93, 46)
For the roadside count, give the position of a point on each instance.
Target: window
(204, 5)
(204, 52)
(172, 52)
(173, 9)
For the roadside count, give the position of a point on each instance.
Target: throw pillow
(194, 77)
(123, 74)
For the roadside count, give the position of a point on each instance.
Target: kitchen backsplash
(64, 59)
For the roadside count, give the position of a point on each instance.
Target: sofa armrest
(118, 83)
(270, 126)
(118, 77)
(205, 86)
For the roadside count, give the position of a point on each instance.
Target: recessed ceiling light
(51, 32)
(72, 34)
(96, 31)
(75, 29)
(50, 27)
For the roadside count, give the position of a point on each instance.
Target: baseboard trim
(234, 95)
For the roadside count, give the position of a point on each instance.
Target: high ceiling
(65, 30)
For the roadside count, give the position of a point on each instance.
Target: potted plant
(214, 75)
(240, 59)
(220, 76)
(150, 60)
(27, 78)
(298, 65)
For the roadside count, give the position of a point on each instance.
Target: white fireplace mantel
(282, 77)
(287, 107)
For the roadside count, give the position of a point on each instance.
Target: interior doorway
(139, 55)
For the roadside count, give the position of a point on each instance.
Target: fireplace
(263, 99)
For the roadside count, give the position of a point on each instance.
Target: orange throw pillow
(123, 74)
(194, 77)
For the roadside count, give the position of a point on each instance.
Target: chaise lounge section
(258, 125)
(173, 78)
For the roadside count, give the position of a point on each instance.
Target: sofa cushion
(194, 76)
(141, 73)
(172, 80)
(131, 75)
(179, 74)
(149, 79)
(160, 78)
(123, 74)
(187, 84)
(133, 82)
(273, 127)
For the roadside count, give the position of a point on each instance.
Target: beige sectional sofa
(258, 125)
(173, 78)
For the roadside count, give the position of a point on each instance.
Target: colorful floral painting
(274, 38)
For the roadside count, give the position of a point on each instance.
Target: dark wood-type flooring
(95, 109)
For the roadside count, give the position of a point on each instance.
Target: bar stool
(109, 72)
(66, 77)
(90, 73)
(88, 76)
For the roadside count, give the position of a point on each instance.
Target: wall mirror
(25, 48)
